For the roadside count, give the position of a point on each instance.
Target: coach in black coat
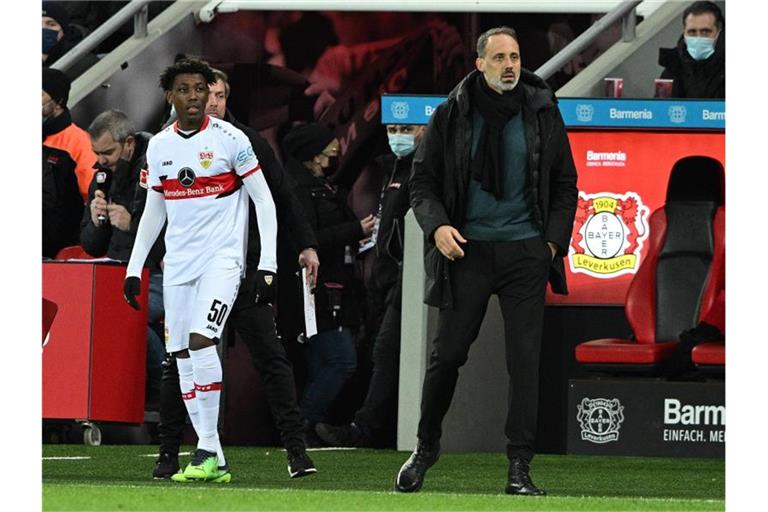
(441, 174)
(493, 187)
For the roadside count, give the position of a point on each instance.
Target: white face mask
(700, 48)
(402, 144)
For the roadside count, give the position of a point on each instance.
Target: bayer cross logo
(677, 113)
(600, 419)
(584, 112)
(399, 109)
(186, 177)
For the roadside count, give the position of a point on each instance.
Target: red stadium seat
(73, 252)
(710, 353)
(679, 278)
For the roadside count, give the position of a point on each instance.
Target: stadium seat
(73, 252)
(677, 281)
(709, 357)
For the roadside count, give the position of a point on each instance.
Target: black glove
(266, 287)
(131, 288)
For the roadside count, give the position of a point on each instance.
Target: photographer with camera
(115, 203)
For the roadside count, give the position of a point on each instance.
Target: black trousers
(256, 326)
(378, 411)
(517, 272)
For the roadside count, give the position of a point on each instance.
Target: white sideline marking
(66, 458)
(330, 448)
(500, 497)
(155, 454)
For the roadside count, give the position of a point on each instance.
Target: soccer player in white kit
(196, 167)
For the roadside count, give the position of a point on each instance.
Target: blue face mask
(50, 38)
(700, 48)
(402, 144)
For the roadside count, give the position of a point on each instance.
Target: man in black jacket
(375, 418)
(254, 322)
(494, 190)
(311, 151)
(116, 198)
(697, 63)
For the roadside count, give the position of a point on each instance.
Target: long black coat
(441, 174)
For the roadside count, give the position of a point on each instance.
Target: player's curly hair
(186, 66)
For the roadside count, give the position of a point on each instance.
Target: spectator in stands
(59, 37)
(697, 64)
(59, 132)
(115, 205)
(375, 419)
(311, 152)
(62, 202)
(494, 189)
(255, 322)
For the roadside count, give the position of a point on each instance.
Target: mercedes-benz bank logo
(186, 177)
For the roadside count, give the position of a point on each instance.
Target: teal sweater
(508, 218)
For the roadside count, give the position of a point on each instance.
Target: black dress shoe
(411, 476)
(519, 481)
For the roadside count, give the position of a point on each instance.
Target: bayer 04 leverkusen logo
(608, 234)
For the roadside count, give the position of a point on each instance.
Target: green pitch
(119, 478)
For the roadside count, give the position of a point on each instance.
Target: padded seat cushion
(617, 350)
(709, 353)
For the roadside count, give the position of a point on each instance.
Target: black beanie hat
(307, 141)
(57, 85)
(58, 12)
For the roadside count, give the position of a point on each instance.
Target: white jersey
(200, 176)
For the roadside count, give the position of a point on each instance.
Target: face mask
(700, 48)
(50, 38)
(402, 144)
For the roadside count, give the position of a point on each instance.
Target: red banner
(622, 179)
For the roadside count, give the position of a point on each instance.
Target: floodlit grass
(119, 478)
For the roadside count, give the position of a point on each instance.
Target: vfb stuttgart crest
(600, 419)
(608, 234)
(206, 158)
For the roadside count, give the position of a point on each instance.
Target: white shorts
(200, 306)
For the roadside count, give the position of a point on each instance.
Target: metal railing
(136, 8)
(624, 11)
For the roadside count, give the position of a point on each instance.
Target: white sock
(208, 373)
(187, 386)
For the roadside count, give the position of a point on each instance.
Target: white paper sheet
(310, 321)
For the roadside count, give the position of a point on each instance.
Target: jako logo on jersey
(608, 234)
(166, 163)
(206, 158)
(186, 177)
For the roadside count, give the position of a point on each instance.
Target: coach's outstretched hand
(266, 287)
(131, 288)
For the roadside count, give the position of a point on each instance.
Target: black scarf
(496, 110)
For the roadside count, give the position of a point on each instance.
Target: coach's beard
(501, 85)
